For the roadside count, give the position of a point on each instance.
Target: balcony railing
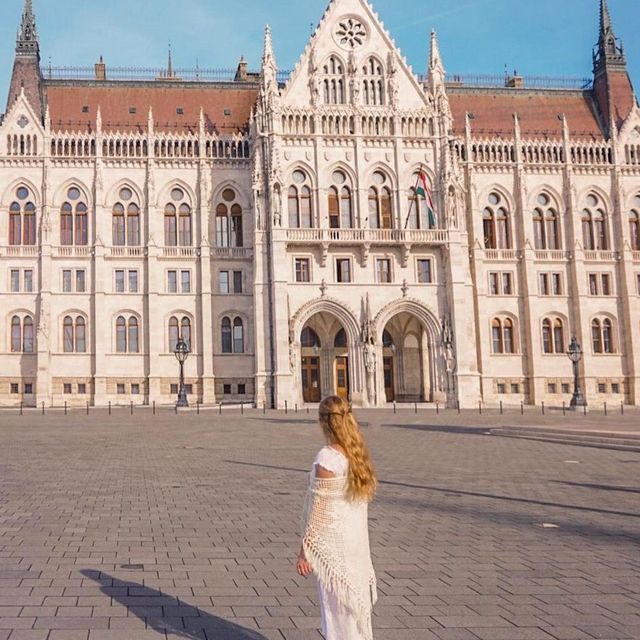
(72, 252)
(552, 255)
(231, 253)
(385, 236)
(600, 256)
(501, 254)
(179, 252)
(126, 252)
(29, 251)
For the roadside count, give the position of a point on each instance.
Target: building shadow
(442, 428)
(193, 623)
(599, 487)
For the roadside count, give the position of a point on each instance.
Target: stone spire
(170, 64)
(268, 57)
(608, 50)
(27, 41)
(436, 74)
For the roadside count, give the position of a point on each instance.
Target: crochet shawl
(336, 544)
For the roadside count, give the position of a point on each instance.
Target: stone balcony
(364, 236)
(16, 251)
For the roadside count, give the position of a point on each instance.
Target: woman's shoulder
(332, 459)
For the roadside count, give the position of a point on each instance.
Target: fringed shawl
(335, 540)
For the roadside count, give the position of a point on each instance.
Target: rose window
(350, 33)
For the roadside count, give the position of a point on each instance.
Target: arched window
(126, 220)
(179, 329)
(22, 219)
(553, 336)
(229, 232)
(373, 82)
(74, 220)
(177, 220)
(16, 335)
(127, 335)
(309, 339)
(28, 335)
(595, 234)
(634, 225)
(380, 207)
(238, 336)
(227, 341)
(340, 341)
(74, 335)
(334, 84)
(300, 201)
(602, 336)
(496, 223)
(387, 339)
(340, 202)
(546, 225)
(222, 225)
(503, 336)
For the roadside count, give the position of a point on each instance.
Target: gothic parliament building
(350, 227)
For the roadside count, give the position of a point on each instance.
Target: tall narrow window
(558, 336)
(132, 334)
(133, 225)
(170, 226)
(496, 224)
(547, 344)
(634, 229)
(28, 336)
(121, 335)
(334, 82)
(594, 225)
(340, 202)
(300, 201)
(227, 344)
(222, 226)
(66, 225)
(185, 331)
(507, 327)
(503, 336)
(546, 224)
(607, 336)
(238, 336)
(380, 203)
(68, 335)
(184, 235)
(118, 226)
(237, 238)
(126, 228)
(174, 333)
(81, 335)
(373, 82)
(16, 335)
(22, 219)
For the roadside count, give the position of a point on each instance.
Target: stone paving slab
(119, 527)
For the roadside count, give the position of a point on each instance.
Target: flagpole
(413, 200)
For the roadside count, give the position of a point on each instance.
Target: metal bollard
(584, 410)
(521, 408)
(198, 408)
(20, 408)
(501, 408)
(175, 408)
(394, 406)
(564, 408)
(296, 407)
(286, 407)
(480, 407)
(264, 408)
(543, 407)
(622, 408)
(458, 407)
(87, 408)
(307, 410)
(132, 407)
(241, 408)
(43, 408)
(109, 407)
(220, 408)
(65, 407)
(154, 407)
(415, 407)
(437, 408)
(605, 410)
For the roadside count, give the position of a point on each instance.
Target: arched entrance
(406, 360)
(325, 361)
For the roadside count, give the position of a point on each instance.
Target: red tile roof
(125, 106)
(538, 111)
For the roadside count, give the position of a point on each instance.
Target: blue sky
(539, 37)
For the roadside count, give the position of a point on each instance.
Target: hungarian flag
(423, 190)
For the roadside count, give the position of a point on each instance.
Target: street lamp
(575, 355)
(181, 353)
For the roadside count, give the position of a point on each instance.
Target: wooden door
(342, 377)
(389, 386)
(311, 391)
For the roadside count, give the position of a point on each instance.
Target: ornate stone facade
(352, 228)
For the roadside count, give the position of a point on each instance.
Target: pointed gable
(351, 42)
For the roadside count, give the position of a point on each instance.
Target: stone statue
(277, 207)
(369, 355)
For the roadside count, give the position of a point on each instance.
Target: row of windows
(554, 337)
(372, 86)
(501, 283)
(344, 270)
(126, 220)
(127, 334)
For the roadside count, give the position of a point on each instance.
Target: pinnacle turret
(609, 50)
(27, 41)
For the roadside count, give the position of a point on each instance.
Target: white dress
(337, 621)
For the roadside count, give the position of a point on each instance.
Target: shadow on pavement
(458, 492)
(441, 428)
(197, 621)
(600, 487)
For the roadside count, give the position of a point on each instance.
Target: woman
(335, 540)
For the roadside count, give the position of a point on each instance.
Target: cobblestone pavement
(133, 528)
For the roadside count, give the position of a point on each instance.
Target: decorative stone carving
(350, 33)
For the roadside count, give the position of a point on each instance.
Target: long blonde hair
(340, 427)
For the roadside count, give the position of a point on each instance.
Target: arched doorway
(406, 360)
(325, 366)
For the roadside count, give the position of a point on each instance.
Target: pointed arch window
(503, 336)
(300, 203)
(418, 216)
(125, 220)
(496, 223)
(334, 84)
(178, 220)
(127, 334)
(238, 336)
(340, 202)
(602, 336)
(74, 220)
(380, 202)
(309, 339)
(340, 341)
(373, 82)
(22, 334)
(595, 234)
(74, 334)
(229, 227)
(179, 329)
(22, 219)
(553, 341)
(226, 336)
(546, 223)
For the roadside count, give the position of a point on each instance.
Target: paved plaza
(143, 527)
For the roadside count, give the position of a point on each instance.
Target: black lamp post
(181, 352)
(575, 355)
